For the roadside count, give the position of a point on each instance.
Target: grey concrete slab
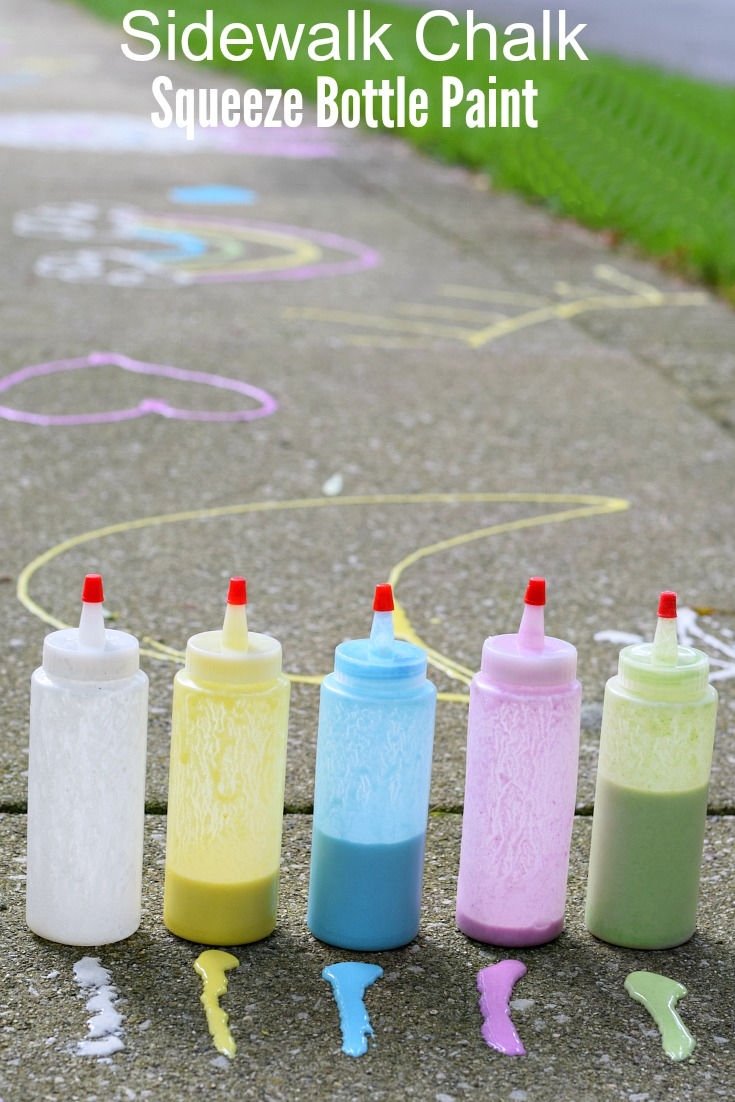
(585, 1038)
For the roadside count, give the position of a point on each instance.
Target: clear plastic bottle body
(649, 817)
(521, 779)
(371, 802)
(225, 810)
(86, 805)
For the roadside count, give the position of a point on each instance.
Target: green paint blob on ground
(211, 966)
(660, 995)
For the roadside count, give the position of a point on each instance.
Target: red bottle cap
(237, 594)
(536, 592)
(92, 589)
(383, 598)
(667, 605)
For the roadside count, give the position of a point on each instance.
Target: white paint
(333, 486)
(105, 1025)
(691, 634)
(620, 638)
(521, 1004)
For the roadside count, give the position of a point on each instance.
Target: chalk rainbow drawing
(573, 507)
(96, 132)
(476, 316)
(187, 248)
(267, 404)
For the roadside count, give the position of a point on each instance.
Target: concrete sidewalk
(404, 358)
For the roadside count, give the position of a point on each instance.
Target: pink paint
(495, 985)
(522, 750)
(268, 403)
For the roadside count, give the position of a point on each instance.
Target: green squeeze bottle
(658, 725)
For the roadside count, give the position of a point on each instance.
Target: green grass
(645, 155)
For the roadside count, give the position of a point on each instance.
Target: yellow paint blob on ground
(211, 966)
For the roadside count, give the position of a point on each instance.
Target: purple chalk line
(268, 403)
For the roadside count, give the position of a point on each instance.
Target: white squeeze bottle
(86, 782)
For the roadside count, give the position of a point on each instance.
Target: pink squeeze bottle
(522, 751)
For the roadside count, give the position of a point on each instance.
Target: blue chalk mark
(182, 246)
(349, 981)
(214, 194)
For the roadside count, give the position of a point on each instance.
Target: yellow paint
(225, 808)
(220, 914)
(535, 310)
(212, 965)
(586, 506)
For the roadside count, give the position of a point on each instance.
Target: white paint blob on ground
(691, 634)
(105, 1026)
(333, 486)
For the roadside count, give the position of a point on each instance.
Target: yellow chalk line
(587, 506)
(639, 295)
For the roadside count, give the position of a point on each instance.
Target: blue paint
(213, 195)
(349, 981)
(181, 245)
(365, 897)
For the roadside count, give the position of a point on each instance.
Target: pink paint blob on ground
(495, 984)
(267, 406)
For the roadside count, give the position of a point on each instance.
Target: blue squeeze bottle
(371, 798)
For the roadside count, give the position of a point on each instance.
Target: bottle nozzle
(92, 619)
(531, 632)
(382, 636)
(235, 626)
(665, 648)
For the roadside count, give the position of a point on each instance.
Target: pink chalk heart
(267, 403)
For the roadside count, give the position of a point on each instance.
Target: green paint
(660, 995)
(644, 865)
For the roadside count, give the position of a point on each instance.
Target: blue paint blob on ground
(349, 981)
(213, 195)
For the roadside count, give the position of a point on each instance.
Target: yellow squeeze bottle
(228, 765)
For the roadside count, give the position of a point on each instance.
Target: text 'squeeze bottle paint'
(228, 766)
(86, 782)
(371, 800)
(658, 726)
(522, 753)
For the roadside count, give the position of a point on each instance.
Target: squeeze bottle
(226, 780)
(521, 781)
(371, 799)
(658, 727)
(86, 782)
